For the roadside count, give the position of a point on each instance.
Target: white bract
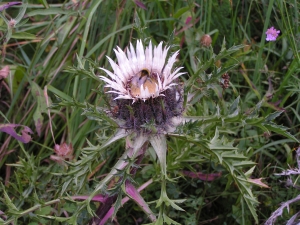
(142, 73)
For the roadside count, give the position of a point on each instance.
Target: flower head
(205, 40)
(272, 34)
(141, 74)
(63, 152)
(143, 85)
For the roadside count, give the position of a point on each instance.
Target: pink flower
(272, 34)
(63, 152)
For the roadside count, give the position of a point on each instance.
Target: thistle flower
(146, 100)
(143, 87)
(272, 34)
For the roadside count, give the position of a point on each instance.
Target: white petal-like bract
(141, 73)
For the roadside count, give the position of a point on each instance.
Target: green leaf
(118, 204)
(50, 11)
(180, 12)
(59, 93)
(8, 201)
(226, 52)
(255, 111)
(169, 221)
(234, 162)
(24, 35)
(234, 108)
(272, 116)
(279, 129)
(173, 202)
(44, 210)
(38, 95)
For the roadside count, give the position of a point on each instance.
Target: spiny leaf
(8, 201)
(118, 204)
(255, 111)
(226, 52)
(169, 221)
(280, 130)
(273, 115)
(234, 107)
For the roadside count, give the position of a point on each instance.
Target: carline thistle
(144, 89)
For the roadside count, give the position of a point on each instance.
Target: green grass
(58, 46)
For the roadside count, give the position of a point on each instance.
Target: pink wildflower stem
(126, 199)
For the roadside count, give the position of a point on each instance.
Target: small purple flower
(272, 34)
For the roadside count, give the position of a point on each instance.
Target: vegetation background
(43, 50)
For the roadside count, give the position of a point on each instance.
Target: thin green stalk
(247, 19)
(291, 34)
(90, 14)
(208, 19)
